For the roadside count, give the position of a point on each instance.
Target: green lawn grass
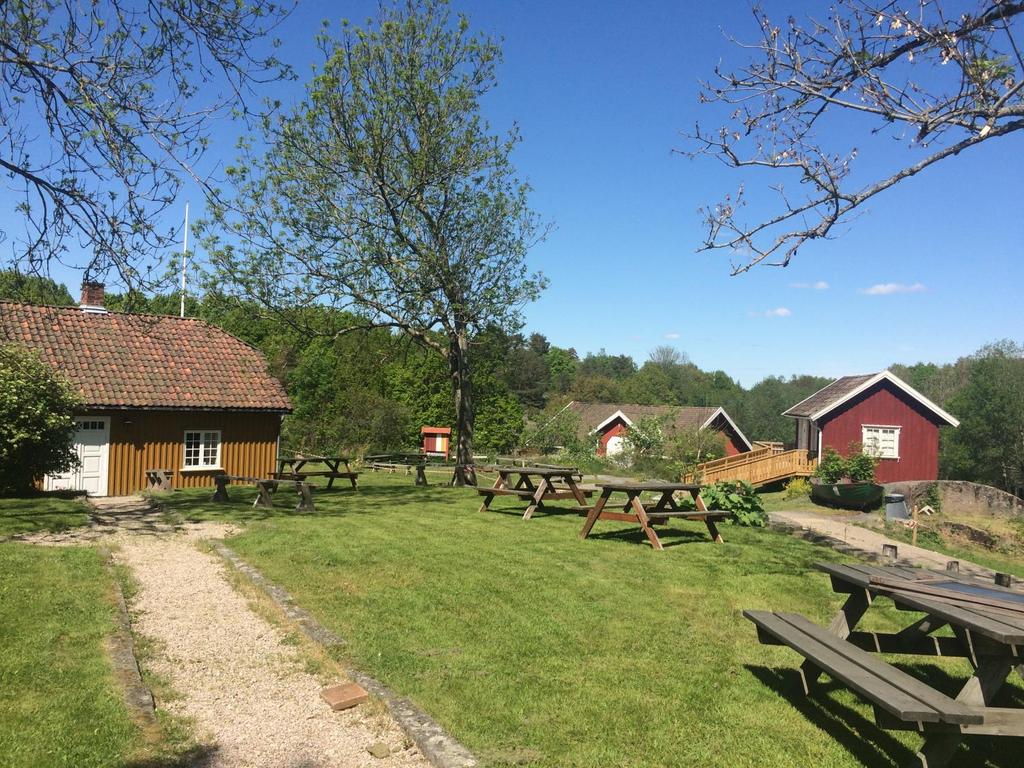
(59, 705)
(41, 512)
(536, 648)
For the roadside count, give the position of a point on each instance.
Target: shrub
(798, 488)
(737, 497)
(858, 467)
(831, 467)
(37, 423)
(933, 497)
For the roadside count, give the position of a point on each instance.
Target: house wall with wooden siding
(885, 405)
(141, 440)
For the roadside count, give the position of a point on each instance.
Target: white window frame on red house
(875, 446)
(208, 438)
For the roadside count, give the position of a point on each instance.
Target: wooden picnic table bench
(987, 623)
(159, 480)
(266, 488)
(395, 466)
(536, 484)
(292, 469)
(646, 515)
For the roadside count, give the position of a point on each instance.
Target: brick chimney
(92, 295)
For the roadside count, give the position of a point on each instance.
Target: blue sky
(603, 90)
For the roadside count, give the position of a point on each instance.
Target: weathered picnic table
(536, 485)
(266, 488)
(634, 510)
(292, 469)
(159, 480)
(393, 462)
(987, 623)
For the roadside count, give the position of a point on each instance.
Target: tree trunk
(465, 415)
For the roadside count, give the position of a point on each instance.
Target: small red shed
(436, 440)
(881, 412)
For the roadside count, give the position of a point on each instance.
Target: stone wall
(962, 497)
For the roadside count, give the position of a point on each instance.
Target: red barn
(611, 422)
(881, 412)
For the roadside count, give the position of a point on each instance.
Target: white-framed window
(881, 441)
(202, 449)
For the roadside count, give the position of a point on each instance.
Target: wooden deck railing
(758, 467)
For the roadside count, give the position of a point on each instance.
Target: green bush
(858, 467)
(798, 488)
(37, 423)
(737, 497)
(831, 467)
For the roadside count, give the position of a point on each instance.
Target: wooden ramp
(758, 467)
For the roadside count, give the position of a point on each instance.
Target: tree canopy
(386, 192)
(105, 107)
(942, 76)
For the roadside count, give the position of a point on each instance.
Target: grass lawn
(535, 648)
(58, 702)
(42, 512)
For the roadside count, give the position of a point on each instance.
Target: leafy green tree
(37, 424)
(616, 367)
(105, 108)
(33, 289)
(988, 446)
(562, 365)
(385, 191)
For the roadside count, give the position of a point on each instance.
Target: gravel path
(870, 542)
(241, 685)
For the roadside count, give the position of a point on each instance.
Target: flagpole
(184, 261)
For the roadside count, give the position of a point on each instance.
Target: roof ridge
(77, 308)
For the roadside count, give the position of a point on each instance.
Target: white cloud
(885, 289)
(672, 336)
(777, 312)
(819, 285)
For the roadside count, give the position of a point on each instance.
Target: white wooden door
(615, 445)
(92, 445)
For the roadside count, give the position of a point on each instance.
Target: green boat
(848, 495)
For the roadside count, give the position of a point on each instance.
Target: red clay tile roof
(120, 360)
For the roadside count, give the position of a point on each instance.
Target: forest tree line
(372, 390)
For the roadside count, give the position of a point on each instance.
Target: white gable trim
(610, 419)
(897, 382)
(721, 412)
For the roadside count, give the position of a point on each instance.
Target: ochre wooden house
(159, 393)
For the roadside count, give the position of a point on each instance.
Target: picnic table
(392, 462)
(634, 510)
(987, 623)
(293, 469)
(159, 480)
(536, 485)
(266, 488)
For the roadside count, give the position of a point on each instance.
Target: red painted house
(881, 412)
(611, 422)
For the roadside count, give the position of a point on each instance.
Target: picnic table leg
(305, 498)
(842, 625)
(713, 530)
(641, 516)
(264, 499)
(576, 492)
(538, 498)
(980, 691)
(421, 475)
(221, 494)
(594, 514)
(499, 483)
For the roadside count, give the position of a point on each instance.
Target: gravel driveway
(244, 688)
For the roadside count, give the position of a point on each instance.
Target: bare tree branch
(946, 83)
